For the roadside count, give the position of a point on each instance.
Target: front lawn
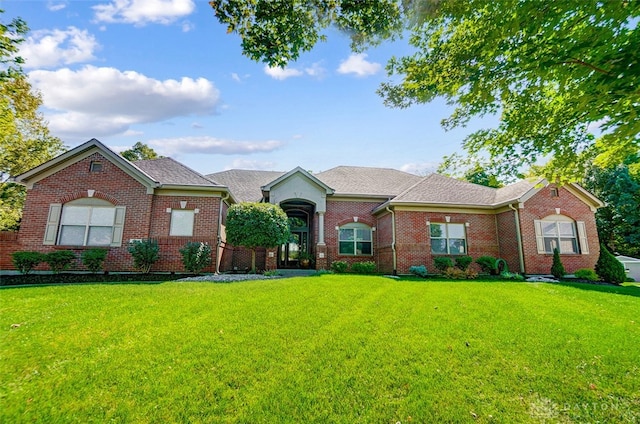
(341, 349)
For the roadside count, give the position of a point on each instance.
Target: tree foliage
(473, 169)
(25, 141)
(254, 225)
(277, 31)
(618, 221)
(139, 151)
(563, 77)
(550, 70)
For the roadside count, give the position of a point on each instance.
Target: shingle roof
(367, 181)
(514, 191)
(436, 188)
(245, 184)
(170, 171)
(439, 189)
(399, 186)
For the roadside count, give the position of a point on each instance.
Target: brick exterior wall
(340, 213)
(544, 204)
(508, 240)
(8, 244)
(413, 243)
(145, 217)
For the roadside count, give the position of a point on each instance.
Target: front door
(289, 255)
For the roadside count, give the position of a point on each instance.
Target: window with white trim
(182, 222)
(562, 233)
(448, 239)
(355, 239)
(85, 222)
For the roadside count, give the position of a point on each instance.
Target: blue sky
(166, 73)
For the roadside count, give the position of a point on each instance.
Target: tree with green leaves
(563, 77)
(254, 225)
(472, 169)
(139, 151)
(25, 141)
(618, 221)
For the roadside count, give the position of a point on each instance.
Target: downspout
(518, 237)
(393, 241)
(223, 199)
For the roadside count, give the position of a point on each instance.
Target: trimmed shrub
(442, 263)
(339, 267)
(586, 274)
(488, 264)
(60, 260)
(512, 276)
(145, 253)
(557, 269)
(93, 259)
(196, 256)
(367, 267)
(455, 273)
(609, 268)
(463, 262)
(26, 261)
(419, 270)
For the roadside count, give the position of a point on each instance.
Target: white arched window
(562, 233)
(355, 239)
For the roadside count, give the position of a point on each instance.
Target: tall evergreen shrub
(557, 269)
(609, 268)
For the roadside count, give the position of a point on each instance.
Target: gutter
(220, 241)
(518, 237)
(393, 242)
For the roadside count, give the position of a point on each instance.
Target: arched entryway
(300, 246)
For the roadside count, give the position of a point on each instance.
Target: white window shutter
(118, 226)
(53, 220)
(539, 236)
(582, 236)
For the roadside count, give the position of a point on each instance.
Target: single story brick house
(91, 196)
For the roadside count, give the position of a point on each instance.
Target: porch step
(296, 272)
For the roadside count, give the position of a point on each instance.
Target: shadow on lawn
(69, 279)
(603, 288)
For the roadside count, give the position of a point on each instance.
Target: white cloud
(212, 145)
(251, 164)
(356, 64)
(106, 101)
(54, 7)
(282, 73)
(315, 70)
(131, 133)
(47, 48)
(141, 12)
(187, 26)
(420, 168)
(235, 77)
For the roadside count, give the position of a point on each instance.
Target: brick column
(321, 256)
(271, 260)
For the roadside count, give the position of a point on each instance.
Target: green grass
(342, 349)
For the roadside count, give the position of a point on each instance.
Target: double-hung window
(355, 239)
(448, 239)
(85, 222)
